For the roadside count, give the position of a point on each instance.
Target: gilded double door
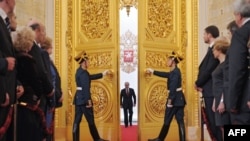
(93, 26)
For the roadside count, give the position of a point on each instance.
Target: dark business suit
(239, 83)
(3, 65)
(204, 81)
(7, 78)
(44, 81)
(49, 102)
(28, 120)
(3, 69)
(127, 99)
(57, 85)
(82, 96)
(174, 82)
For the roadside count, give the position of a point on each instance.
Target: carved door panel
(92, 26)
(162, 29)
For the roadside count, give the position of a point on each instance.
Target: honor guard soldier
(82, 100)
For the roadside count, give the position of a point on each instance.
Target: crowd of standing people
(223, 77)
(30, 83)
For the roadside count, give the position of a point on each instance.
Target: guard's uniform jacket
(174, 86)
(83, 82)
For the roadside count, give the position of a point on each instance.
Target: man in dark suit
(56, 81)
(128, 101)
(38, 54)
(238, 58)
(203, 83)
(7, 71)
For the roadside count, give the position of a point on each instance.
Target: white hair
(242, 7)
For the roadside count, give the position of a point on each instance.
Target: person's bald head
(38, 28)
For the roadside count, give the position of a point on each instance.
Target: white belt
(178, 89)
(79, 88)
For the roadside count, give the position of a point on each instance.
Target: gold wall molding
(70, 75)
(195, 118)
(57, 45)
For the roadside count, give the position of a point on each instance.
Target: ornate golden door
(163, 28)
(92, 25)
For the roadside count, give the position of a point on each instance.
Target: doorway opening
(129, 61)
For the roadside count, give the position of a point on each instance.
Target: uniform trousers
(89, 115)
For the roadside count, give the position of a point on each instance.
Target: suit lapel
(206, 58)
(10, 46)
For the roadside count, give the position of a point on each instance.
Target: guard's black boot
(156, 139)
(102, 140)
(94, 133)
(164, 132)
(182, 134)
(162, 135)
(75, 132)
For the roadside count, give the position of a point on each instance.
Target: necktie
(7, 20)
(127, 92)
(209, 48)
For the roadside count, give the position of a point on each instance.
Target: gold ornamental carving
(101, 100)
(156, 100)
(94, 18)
(100, 60)
(156, 59)
(160, 17)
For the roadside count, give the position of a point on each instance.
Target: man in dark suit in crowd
(7, 70)
(128, 101)
(238, 58)
(203, 83)
(56, 81)
(38, 54)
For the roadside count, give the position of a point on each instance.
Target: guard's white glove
(105, 72)
(150, 70)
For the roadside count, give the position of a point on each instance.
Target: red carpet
(130, 133)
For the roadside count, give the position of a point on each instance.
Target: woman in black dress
(221, 115)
